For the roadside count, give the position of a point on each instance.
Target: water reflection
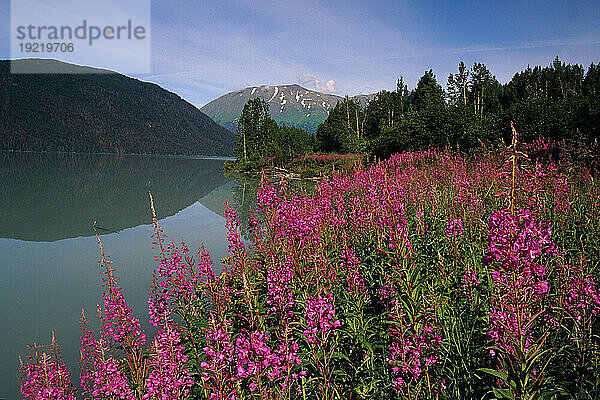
(241, 195)
(48, 197)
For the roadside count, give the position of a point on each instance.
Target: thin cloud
(490, 49)
(313, 81)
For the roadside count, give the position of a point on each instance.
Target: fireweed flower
(206, 272)
(280, 298)
(254, 225)
(516, 245)
(582, 294)
(267, 196)
(355, 280)
(236, 245)
(255, 358)
(388, 295)
(99, 372)
(286, 362)
(219, 373)
(45, 377)
(299, 219)
(177, 282)
(412, 354)
(158, 303)
(454, 228)
(299, 240)
(517, 242)
(392, 223)
(233, 234)
(168, 379)
(118, 322)
(320, 319)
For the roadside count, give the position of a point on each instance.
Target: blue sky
(203, 49)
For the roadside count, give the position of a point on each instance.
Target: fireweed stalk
(120, 327)
(100, 374)
(518, 245)
(320, 325)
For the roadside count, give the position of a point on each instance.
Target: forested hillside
(101, 112)
(560, 102)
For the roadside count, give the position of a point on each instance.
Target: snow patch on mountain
(274, 94)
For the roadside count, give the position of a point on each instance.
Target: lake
(48, 249)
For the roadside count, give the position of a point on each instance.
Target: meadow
(431, 275)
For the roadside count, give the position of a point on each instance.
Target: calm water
(48, 251)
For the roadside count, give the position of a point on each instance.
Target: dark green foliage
(260, 142)
(324, 165)
(343, 130)
(428, 94)
(254, 128)
(559, 101)
(287, 143)
(101, 112)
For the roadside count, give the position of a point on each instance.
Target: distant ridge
(288, 105)
(83, 109)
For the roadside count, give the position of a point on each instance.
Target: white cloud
(312, 80)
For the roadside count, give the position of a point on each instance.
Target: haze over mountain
(288, 105)
(82, 109)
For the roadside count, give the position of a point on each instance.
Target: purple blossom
(118, 322)
(320, 319)
(517, 243)
(254, 356)
(267, 196)
(46, 377)
(355, 280)
(280, 297)
(582, 294)
(236, 245)
(100, 375)
(412, 354)
(454, 228)
(218, 373)
(387, 295)
(168, 379)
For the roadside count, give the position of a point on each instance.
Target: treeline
(560, 102)
(261, 142)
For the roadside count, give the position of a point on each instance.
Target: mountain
(288, 104)
(82, 109)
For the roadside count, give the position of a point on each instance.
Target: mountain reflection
(241, 195)
(48, 197)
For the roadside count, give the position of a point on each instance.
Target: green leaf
(497, 374)
(340, 355)
(502, 393)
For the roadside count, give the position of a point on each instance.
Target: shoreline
(194, 157)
